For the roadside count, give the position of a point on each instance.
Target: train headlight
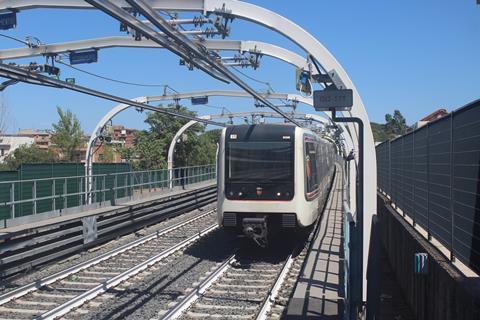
(240, 194)
(278, 194)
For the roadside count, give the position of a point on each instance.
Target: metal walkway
(319, 292)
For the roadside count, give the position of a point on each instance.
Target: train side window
(311, 167)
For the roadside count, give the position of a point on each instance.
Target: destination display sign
(87, 56)
(341, 100)
(199, 100)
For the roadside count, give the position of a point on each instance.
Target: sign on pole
(84, 56)
(8, 20)
(340, 100)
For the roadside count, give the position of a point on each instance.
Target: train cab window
(311, 169)
(259, 170)
(260, 161)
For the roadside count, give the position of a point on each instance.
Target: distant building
(121, 137)
(10, 142)
(437, 114)
(42, 138)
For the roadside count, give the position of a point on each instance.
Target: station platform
(33, 223)
(319, 292)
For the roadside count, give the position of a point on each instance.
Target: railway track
(27, 249)
(56, 295)
(248, 286)
(244, 286)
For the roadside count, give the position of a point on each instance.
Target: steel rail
(197, 292)
(16, 73)
(270, 299)
(272, 295)
(110, 283)
(19, 292)
(136, 24)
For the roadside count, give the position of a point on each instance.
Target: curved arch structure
(146, 99)
(93, 138)
(171, 148)
(128, 42)
(299, 36)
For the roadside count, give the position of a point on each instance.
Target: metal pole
(65, 200)
(53, 195)
(103, 189)
(126, 185)
(358, 275)
(115, 182)
(131, 184)
(34, 197)
(429, 235)
(413, 180)
(80, 196)
(452, 195)
(12, 199)
(149, 181)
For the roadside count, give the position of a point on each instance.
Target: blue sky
(415, 56)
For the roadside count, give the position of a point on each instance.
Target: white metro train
(271, 178)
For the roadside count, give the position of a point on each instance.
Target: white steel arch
(122, 41)
(171, 148)
(129, 42)
(299, 36)
(97, 131)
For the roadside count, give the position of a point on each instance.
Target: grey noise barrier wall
(433, 175)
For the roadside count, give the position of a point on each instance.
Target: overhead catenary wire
(115, 80)
(254, 79)
(195, 51)
(8, 71)
(269, 86)
(14, 39)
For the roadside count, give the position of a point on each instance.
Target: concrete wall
(444, 293)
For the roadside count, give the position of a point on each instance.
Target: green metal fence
(47, 183)
(41, 188)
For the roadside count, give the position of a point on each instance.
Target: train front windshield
(260, 161)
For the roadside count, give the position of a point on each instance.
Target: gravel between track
(149, 293)
(31, 276)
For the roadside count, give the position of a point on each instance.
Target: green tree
(68, 134)
(395, 126)
(194, 147)
(396, 123)
(127, 154)
(150, 151)
(28, 154)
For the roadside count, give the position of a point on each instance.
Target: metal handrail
(104, 187)
(102, 174)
